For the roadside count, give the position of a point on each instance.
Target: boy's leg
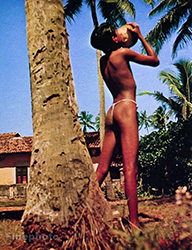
(106, 155)
(129, 141)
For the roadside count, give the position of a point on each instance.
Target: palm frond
(184, 36)
(176, 91)
(174, 85)
(144, 92)
(180, 85)
(110, 13)
(169, 23)
(170, 113)
(144, 120)
(162, 6)
(162, 31)
(184, 67)
(185, 73)
(150, 2)
(157, 95)
(72, 8)
(114, 11)
(85, 120)
(169, 78)
(88, 2)
(128, 7)
(175, 106)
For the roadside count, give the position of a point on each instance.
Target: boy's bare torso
(118, 76)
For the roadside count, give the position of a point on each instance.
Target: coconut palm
(97, 122)
(144, 120)
(180, 85)
(112, 11)
(160, 117)
(177, 18)
(63, 191)
(85, 121)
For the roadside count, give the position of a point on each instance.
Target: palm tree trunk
(109, 186)
(188, 92)
(63, 185)
(102, 100)
(184, 110)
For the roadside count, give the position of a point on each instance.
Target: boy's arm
(151, 57)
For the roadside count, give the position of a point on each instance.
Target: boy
(121, 119)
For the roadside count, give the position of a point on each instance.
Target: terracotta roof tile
(92, 139)
(14, 143)
(6, 136)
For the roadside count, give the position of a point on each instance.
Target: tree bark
(63, 193)
(108, 182)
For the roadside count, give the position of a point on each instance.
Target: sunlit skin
(116, 71)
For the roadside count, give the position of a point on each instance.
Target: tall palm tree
(160, 117)
(180, 86)
(97, 122)
(177, 18)
(85, 121)
(63, 190)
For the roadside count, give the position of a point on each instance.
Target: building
(15, 153)
(93, 144)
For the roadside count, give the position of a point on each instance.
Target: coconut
(129, 38)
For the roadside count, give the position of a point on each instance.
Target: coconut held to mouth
(129, 38)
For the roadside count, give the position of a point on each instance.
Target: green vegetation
(165, 155)
(112, 11)
(85, 121)
(176, 19)
(180, 84)
(165, 158)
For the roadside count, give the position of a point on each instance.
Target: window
(21, 175)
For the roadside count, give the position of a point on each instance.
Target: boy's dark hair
(101, 37)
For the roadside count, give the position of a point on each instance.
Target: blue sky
(15, 96)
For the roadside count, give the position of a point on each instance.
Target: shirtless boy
(121, 119)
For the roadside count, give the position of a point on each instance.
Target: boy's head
(102, 37)
(125, 36)
(106, 38)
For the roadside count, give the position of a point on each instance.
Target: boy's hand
(134, 27)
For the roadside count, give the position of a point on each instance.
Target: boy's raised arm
(151, 57)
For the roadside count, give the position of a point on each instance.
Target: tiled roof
(14, 143)
(7, 136)
(92, 139)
